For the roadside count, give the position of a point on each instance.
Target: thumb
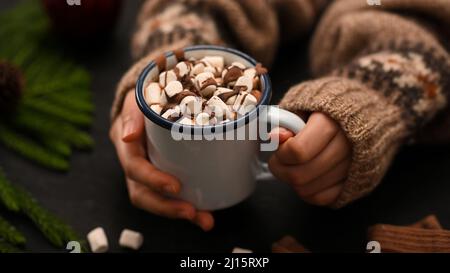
(132, 119)
(282, 134)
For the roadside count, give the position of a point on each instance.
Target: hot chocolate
(205, 92)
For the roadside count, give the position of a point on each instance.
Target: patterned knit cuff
(374, 127)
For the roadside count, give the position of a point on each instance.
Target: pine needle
(42, 125)
(70, 102)
(10, 234)
(6, 247)
(58, 111)
(31, 150)
(55, 230)
(56, 145)
(7, 194)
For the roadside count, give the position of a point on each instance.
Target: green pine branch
(10, 234)
(55, 230)
(56, 89)
(6, 247)
(69, 101)
(31, 150)
(42, 125)
(43, 106)
(7, 194)
(57, 146)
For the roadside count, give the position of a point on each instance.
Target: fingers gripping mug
(215, 173)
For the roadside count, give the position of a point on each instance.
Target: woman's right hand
(146, 184)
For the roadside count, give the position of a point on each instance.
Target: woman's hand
(146, 184)
(315, 162)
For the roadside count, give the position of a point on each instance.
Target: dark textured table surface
(93, 192)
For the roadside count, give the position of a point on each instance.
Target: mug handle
(285, 119)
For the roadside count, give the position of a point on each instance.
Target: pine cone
(11, 86)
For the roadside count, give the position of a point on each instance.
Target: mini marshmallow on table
(131, 239)
(241, 250)
(97, 240)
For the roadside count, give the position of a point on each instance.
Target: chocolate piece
(180, 96)
(429, 222)
(167, 107)
(288, 244)
(207, 82)
(179, 54)
(227, 95)
(232, 75)
(260, 70)
(188, 83)
(257, 94)
(161, 62)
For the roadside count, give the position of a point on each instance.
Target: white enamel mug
(214, 174)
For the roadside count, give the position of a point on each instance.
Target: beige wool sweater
(381, 71)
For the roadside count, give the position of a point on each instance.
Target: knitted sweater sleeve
(383, 74)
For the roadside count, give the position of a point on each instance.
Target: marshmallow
(241, 250)
(186, 121)
(202, 119)
(223, 90)
(212, 70)
(244, 83)
(205, 91)
(97, 240)
(231, 75)
(153, 93)
(244, 103)
(163, 98)
(156, 108)
(183, 68)
(197, 69)
(217, 106)
(219, 81)
(238, 64)
(200, 78)
(131, 239)
(206, 84)
(172, 114)
(224, 72)
(215, 61)
(191, 105)
(250, 72)
(173, 88)
(213, 121)
(166, 77)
